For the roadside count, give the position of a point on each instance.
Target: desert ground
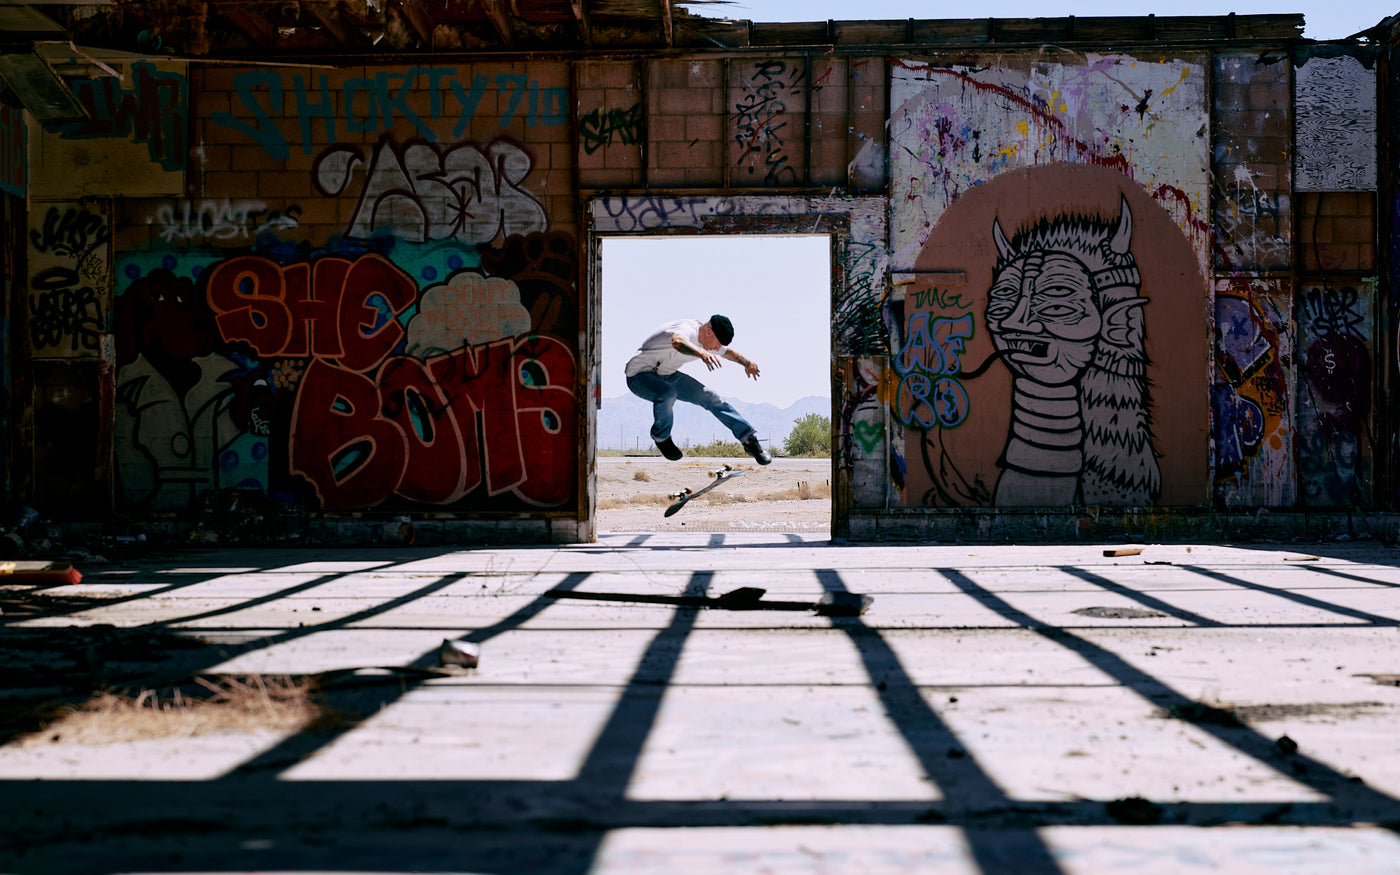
(788, 495)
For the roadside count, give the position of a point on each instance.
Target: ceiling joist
(499, 16)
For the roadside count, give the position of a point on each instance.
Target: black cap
(723, 328)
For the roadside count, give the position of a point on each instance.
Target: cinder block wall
(356, 298)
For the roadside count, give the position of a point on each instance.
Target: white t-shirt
(659, 356)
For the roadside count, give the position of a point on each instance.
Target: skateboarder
(654, 374)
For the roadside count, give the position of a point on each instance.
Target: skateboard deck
(717, 477)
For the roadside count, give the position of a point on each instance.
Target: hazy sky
(1326, 19)
(776, 291)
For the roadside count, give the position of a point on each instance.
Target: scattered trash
(39, 572)
(1300, 559)
(1122, 551)
(466, 654)
(1134, 810)
(1286, 746)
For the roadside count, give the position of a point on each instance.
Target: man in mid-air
(654, 374)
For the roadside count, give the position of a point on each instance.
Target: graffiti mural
(346, 109)
(1336, 124)
(154, 111)
(69, 279)
(956, 126)
(1336, 325)
(175, 395)
(1065, 315)
(420, 192)
(1250, 391)
(221, 220)
(1025, 365)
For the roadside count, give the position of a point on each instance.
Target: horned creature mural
(1065, 314)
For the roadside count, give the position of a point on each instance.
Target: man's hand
(751, 369)
(710, 359)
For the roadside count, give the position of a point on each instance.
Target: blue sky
(1326, 19)
(776, 290)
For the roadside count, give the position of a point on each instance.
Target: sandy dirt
(633, 490)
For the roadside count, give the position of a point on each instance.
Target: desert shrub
(810, 437)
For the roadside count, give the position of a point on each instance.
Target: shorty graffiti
(362, 105)
(153, 111)
(421, 192)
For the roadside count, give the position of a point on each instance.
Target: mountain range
(624, 422)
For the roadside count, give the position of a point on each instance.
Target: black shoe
(669, 449)
(755, 449)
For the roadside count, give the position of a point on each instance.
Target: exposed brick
(609, 178)
(686, 101)
(621, 98)
(1316, 231)
(1352, 229)
(283, 183)
(667, 128)
(229, 183)
(589, 99)
(626, 156)
(610, 74)
(703, 127)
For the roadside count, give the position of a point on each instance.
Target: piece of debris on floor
(1134, 810)
(1122, 551)
(1105, 613)
(466, 654)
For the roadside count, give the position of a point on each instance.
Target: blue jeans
(663, 390)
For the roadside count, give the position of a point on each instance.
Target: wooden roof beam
(343, 34)
(418, 19)
(257, 28)
(581, 16)
(668, 27)
(499, 15)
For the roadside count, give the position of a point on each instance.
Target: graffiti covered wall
(1051, 346)
(1061, 280)
(372, 305)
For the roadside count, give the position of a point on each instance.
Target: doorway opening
(776, 290)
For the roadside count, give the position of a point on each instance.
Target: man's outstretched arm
(750, 366)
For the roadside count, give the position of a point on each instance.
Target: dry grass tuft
(641, 475)
(228, 704)
(650, 499)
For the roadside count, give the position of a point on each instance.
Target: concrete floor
(997, 709)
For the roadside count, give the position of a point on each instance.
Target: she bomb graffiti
(369, 423)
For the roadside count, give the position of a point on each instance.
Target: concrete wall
(1064, 281)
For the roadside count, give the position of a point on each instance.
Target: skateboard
(723, 474)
